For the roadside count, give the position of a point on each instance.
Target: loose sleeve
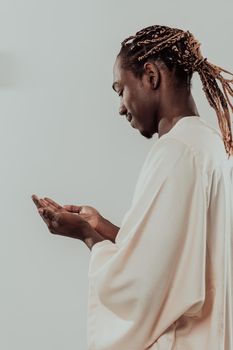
(155, 272)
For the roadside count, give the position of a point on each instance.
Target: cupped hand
(62, 222)
(85, 212)
(88, 213)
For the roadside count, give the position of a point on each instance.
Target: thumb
(73, 208)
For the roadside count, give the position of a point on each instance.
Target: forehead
(121, 75)
(117, 70)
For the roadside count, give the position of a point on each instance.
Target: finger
(37, 201)
(58, 206)
(49, 214)
(49, 205)
(73, 208)
(40, 203)
(52, 224)
(47, 221)
(43, 202)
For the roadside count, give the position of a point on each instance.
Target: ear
(153, 74)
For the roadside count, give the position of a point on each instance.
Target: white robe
(166, 283)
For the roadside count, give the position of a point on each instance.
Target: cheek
(132, 101)
(127, 98)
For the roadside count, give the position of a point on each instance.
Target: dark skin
(152, 104)
(81, 222)
(156, 101)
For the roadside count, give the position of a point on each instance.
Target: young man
(163, 280)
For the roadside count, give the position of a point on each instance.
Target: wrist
(91, 237)
(107, 229)
(100, 224)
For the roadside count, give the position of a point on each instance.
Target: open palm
(86, 212)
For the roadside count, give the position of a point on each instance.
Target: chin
(146, 134)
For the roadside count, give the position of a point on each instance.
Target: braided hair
(180, 50)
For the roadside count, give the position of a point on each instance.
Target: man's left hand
(64, 223)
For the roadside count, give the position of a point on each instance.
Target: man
(163, 280)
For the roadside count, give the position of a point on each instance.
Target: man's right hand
(104, 227)
(90, 214)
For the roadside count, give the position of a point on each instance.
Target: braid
(179, 49)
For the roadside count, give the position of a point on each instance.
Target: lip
(129, 117)
(132, 124)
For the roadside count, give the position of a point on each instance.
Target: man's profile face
(137, 100)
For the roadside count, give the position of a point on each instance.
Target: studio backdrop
(62, 137)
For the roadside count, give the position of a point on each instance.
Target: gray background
(61, 136)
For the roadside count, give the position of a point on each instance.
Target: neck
(178, 105)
